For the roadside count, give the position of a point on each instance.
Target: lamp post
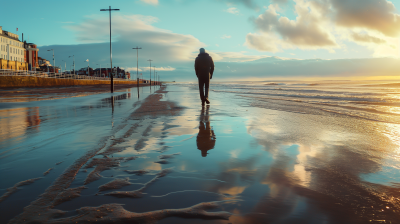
(100, 69)
(65, 68)
(112, 80)
(137, 64)
(54, 62)
(87, 67)
(73, 56)
(150, 69)
(154, 74)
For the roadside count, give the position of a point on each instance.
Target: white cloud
(234, 56)
(248, 3)
(168, 68)
(137, 30)
(232, 10)
(308, 31)
(378, 15)
(142, 69)
(225, 36)
(326, 24)
(150, 2)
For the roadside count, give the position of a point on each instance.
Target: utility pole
(73, 56)
(112, 78)
(100, 70)
(54, 62)
(65, 65)
(154, 74)
(150, 69)
(137, 64)
(88, 67)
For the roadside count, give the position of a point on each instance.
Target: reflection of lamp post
(112, 80)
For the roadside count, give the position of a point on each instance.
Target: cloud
(306, 32)
(367, 38)
(157, 68)
(248, 3)
(378, 15)
(326, 24)
(150, 2)
(263, 42)
(279, 2)
(232, 10)
(234, 56)
(137, 30)
(225, 36)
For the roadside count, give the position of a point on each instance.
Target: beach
(261, 152)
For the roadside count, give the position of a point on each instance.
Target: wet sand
(162, 158)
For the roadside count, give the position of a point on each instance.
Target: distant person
(204, 67)
(206, 138)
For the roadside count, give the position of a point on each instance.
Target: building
(32, 56)
(43, 62)
(12, 51)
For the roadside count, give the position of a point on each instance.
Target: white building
(12, 52)
(10, 47)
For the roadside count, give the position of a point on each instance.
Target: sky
(247, 39)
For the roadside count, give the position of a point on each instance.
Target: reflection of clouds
(322, 158)
(236, 174)
(232, 190)
(235, 153)
(151, 165)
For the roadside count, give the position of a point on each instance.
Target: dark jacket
(204, 65)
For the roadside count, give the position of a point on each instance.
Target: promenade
(21, 79)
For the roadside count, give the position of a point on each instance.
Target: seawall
(30, 81)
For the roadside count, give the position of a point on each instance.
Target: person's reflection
(206, 137)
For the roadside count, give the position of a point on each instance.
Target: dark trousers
(204, 82)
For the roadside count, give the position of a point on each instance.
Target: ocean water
(376, 101)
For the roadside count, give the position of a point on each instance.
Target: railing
(9, 72)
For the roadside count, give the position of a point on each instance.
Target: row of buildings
(15, 54)
(22, 56)
(104, 72)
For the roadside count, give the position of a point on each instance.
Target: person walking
(204, 67)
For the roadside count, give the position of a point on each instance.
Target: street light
(100, 69)
(73, 56)
(154, 73)
(87, 67)
(54, 63)
(150, 69)
(137, 64)
(65, 70)
(112, 80)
